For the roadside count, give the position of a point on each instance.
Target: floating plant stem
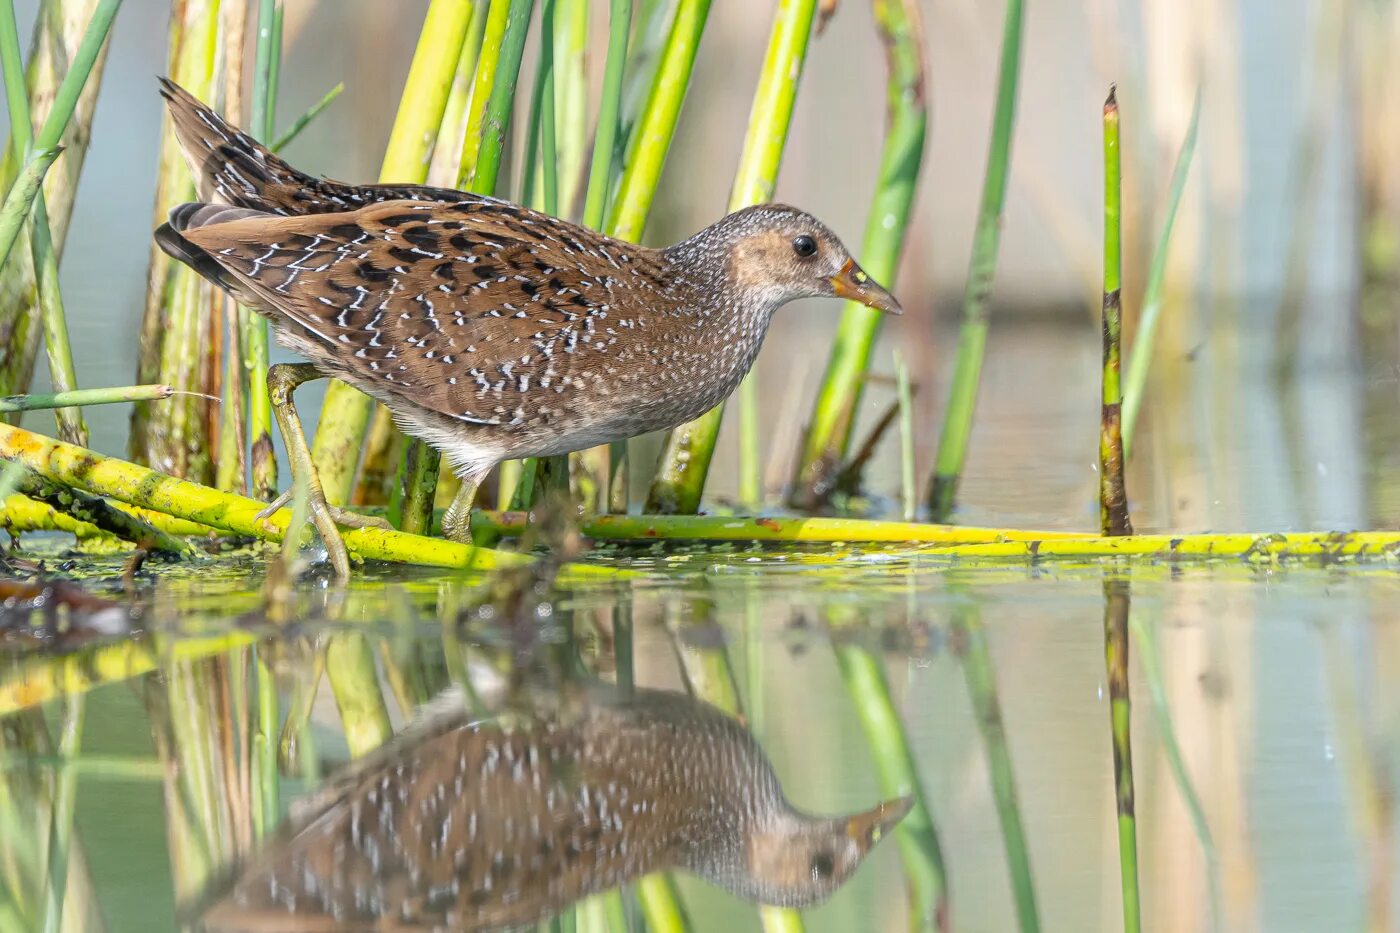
(1113, 497)
(685, 459)
(829, 431)
(986, 708)
(972, 340)
(106, 476)
(1140, 357)
(1115, 631)
(345, 413)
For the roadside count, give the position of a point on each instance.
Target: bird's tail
(171, 239)
(228, 165)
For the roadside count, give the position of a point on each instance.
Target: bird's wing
(466, 308)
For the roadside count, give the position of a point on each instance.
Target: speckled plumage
(488, 329)
(463, 824)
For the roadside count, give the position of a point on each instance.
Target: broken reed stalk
(43, 248)
(679, 480)
(56, 58)
(828, 435)
(1113, 497)
(135, 485)
(82, 397)
(181, 323)
(253, 327)
(971, 645)
(916, 834)
(345, 413)
(1115, 634)
(972, 339)
(421, 461)
(1140, 358)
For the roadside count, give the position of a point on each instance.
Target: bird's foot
(342, 517)
(457, 520)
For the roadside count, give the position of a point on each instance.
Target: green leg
(282, 381)
(457, 520)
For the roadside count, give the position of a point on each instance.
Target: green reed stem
(15, 210)
(126, 482)
(301, 122)
(972, 340)
(898, 775)
(355, 682)
(651, 139)
(685, 459)
(81, 397)
(102, 515)
(986, 709)
(345, 413)
(908, 482)
(45, 254)
(265, 748)
(829, 431)
(422, 461)
(1113, 496)
(1151, 665)
(446, 159)
(492, 42)
(230, 473)
(61, 812)
(1115, 625)
(571, 100)
(539, 181)
(609, 115)
(1140, 358)
(253, 328)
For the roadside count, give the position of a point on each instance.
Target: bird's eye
(804, 246)
(822, 865)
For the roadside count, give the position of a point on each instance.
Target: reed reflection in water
(464, 822)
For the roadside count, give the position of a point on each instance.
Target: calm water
(1279, 682)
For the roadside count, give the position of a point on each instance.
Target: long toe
(325, 525)
(281, 502)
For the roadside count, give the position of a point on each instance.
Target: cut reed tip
(1112, 103)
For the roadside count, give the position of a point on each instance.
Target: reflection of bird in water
(469, 824)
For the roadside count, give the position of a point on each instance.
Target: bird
(489, 330)
(473, 822)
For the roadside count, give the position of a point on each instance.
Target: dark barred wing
(483, 311)
(231, 167)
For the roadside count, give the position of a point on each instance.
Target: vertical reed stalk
(986, 709)
(685, 459)
(43, 249)
(345, 414)
(1140, 358)
(447, 153)
(972, 340)
(57, 57)
(422, 461)
(894, 764)
(909, 496)
(253, 332)
(1115, 626)
(651, 137)
(571, 100)
(1113, 497)
(1151, 666)
(828, 434)
(61, 810)
(179, 320)
(602, 462)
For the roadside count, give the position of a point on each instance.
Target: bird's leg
(457, 520)
(282, 381)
